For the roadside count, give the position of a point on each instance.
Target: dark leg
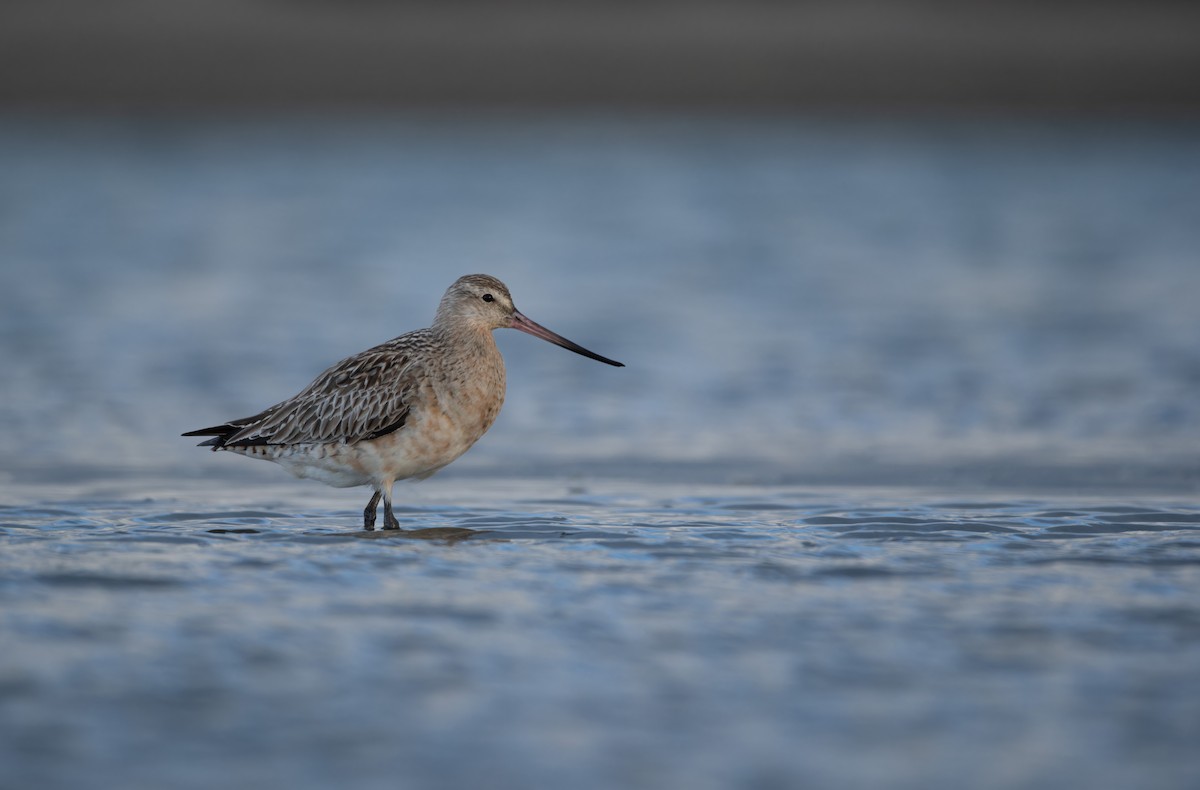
(369, 513)
(389, 518)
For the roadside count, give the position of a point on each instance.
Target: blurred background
(946, 247)
(765, 54)
(910, 242)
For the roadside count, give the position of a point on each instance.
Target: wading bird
(405, 408)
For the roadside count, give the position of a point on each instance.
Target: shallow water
(610, 635)
(899, 488)
(796, 300)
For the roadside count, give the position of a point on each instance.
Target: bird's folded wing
(363, 397)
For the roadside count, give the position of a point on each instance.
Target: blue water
(900, 486)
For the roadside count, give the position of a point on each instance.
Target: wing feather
(362, 397)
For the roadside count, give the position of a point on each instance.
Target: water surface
(616, 635)
(857, 301)
(900, 486)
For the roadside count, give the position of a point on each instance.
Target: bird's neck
(467, 338)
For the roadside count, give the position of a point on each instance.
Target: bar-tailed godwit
(405, 408)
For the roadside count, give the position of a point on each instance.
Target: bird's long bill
(519, 321)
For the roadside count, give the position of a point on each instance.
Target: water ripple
(656, 611)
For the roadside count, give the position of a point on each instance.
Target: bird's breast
(470, 393)
(455, 403)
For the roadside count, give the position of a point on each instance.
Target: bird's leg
(369, 513)
(389, 518)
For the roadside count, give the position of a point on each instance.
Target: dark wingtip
(219, 433)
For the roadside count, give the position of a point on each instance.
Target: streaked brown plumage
(405, 408)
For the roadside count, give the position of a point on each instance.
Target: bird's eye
(489, 298)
